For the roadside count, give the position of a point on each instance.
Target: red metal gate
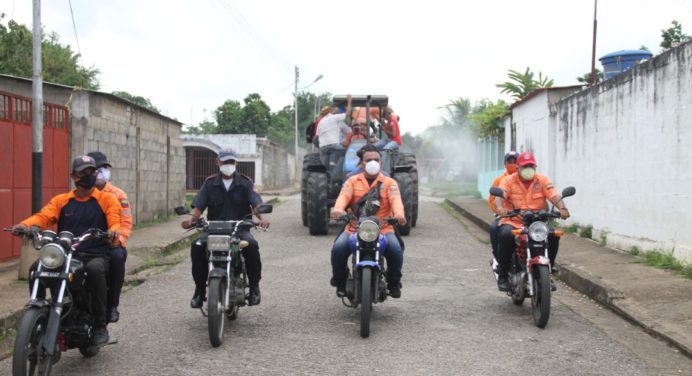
(15, 161)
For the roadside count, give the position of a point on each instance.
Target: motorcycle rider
(510, 168)
(524, 190)
(118, 255)
(77, 211)
(227, 196)
(391, 205)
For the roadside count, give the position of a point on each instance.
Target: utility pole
(593, 47)
(37, 114)
(295, 108)
(28, 255)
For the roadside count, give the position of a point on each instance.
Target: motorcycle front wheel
(365, 301)
(29, 357)
(216, 307)
(540, 301)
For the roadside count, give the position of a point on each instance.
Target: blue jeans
(393, 254)
(116, 276)
(493, 235)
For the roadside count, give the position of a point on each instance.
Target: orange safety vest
(517, 196)
(390, 198)
(125, 214)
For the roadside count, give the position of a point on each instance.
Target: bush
(634, 250)
(585, 232)
(571, 229)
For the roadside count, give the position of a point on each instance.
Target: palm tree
(522, 84)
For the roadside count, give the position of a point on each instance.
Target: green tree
(229, 118)
(522, 84)
(59, 62)
(138, 100)
(281, 128)
(672, 35)
(205, 127)
(457, 112)
(488, 118)
(256, 115)
(586, 77)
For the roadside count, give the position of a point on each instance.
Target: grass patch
(151, 222)
(603, 239)
(634, 250)
(453, 188)
(7, 333)
(586, 232)
(664, 260)
(572, 229)
(180, 246)
(188, 200)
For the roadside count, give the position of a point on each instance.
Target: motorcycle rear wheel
(519, 289)
(365, 302)
(29, 357)
(216, 317)
(540, 301)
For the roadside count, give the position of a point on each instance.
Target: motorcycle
(366, 282)
(529, 271)
(65, 321)
(227, 283)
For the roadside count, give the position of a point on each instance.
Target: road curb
(599, 291)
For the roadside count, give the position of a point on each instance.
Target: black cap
(82, 162)
(100, 159)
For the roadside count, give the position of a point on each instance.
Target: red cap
(526, 158)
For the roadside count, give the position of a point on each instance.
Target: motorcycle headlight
(538, 231)
(368, 231)
(218, 242)
(51, 256)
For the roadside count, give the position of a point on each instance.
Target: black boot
(503, 282)
(100, 336)
(394, 290)
(113, 314)
(198, 299)
(255, 297)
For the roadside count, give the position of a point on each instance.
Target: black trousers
(96, 274)
(200, 261)
(507, 247)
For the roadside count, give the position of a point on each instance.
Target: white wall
(626, 146)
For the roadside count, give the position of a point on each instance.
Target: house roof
(540, 90)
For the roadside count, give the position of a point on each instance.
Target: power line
(243, 27)
(79, 49)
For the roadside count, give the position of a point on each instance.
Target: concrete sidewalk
(145, 244)
(657, 300)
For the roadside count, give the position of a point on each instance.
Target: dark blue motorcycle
(366, 283)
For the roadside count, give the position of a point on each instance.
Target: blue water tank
(620, 61)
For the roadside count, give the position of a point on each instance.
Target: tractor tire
(317, 204)
(408, 159)
(308, 160)
(405, 182)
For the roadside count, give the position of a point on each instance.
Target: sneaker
(503, 283)
(255, 297)
(395, 290)
(340, 289)
(100, 336)
(554, 269)
(553, 286)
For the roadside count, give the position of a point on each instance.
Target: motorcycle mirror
(496, 191)
(569, 191)
(181, 210)
(264, 209)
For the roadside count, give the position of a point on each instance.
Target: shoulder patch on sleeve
(125, 203)
(549, 186)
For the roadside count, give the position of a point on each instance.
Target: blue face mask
(86, 181)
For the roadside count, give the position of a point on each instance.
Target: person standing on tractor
(331, 128)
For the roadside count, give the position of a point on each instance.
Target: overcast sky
(188, 57)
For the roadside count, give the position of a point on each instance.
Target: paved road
(450, 320)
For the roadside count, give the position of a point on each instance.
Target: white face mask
(227, 169)
(372, 167)
(103, 175)
(528, 173)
